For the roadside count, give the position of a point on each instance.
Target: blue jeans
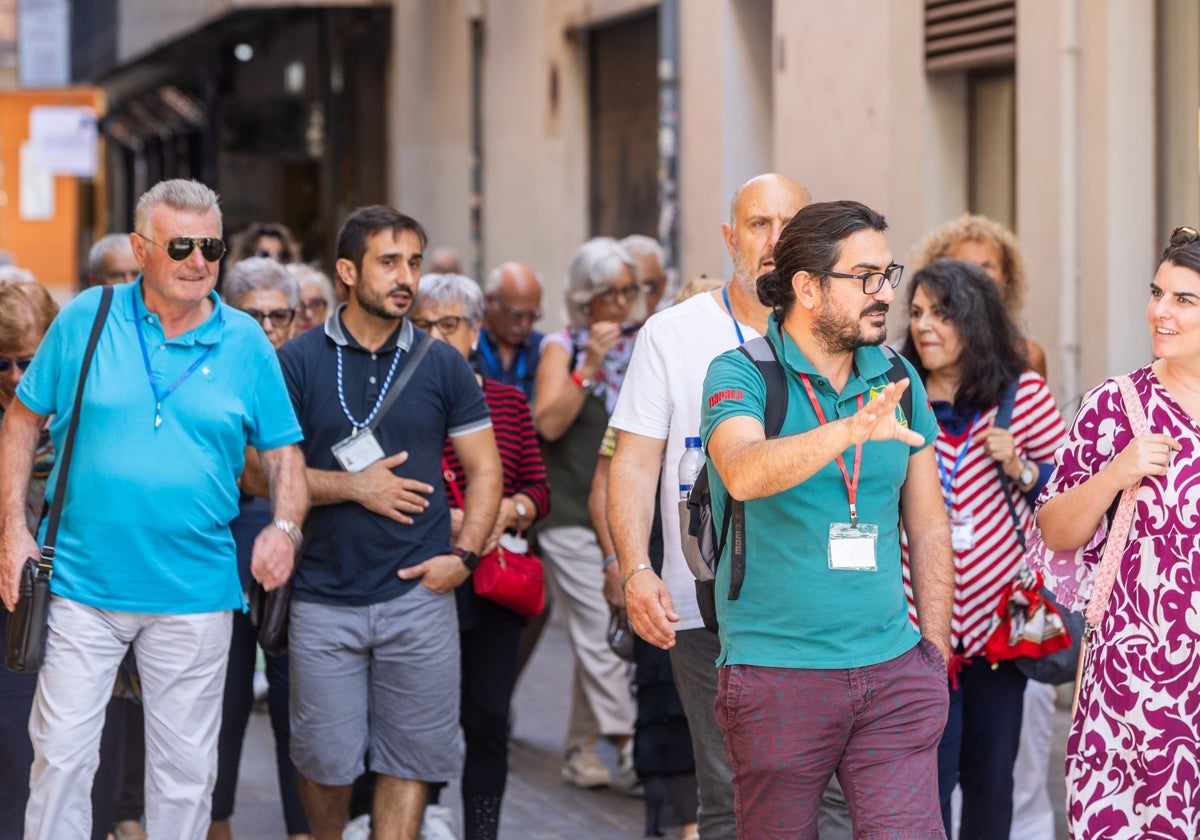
(979, 748)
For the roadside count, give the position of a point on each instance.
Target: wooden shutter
(969, 34)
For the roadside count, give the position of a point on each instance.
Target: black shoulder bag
(269, 611)
(25, 632)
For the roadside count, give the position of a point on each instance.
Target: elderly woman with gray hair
(578, 378)
(268, 293)
(450, 308)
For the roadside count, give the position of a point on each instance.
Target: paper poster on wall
(36, 189)
(63, 139)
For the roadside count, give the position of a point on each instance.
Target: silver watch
(291, 529)
(1028, 474)
(522, 511)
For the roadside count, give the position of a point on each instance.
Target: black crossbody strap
(1003, 419)
(60, 489)
(410, 367)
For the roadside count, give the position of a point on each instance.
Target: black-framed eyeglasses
(1183, 235)
(521, 314)
(315, 306)
(611, 295)
(22, 364)
(872, 281)
(180, 248)
(445, 325)
(279, 318)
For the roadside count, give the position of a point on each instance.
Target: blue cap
(691, 443)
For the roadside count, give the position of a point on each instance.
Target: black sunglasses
(22, 364)
(180, 247)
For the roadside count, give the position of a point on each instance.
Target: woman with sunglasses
(962, 343)
(264, 290)
(450, 308)
(578, 378)
(26, 310)
(1133, 752)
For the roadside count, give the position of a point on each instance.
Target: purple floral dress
(1133, 753)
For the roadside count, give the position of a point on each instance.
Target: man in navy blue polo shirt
(179, 386)
(374, 636)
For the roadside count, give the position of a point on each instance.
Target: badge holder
(358, 451)
(852, 545)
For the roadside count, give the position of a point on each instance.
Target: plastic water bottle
(689, 466)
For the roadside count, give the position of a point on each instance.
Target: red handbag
(511, 577)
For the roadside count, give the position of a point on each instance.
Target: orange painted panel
(47, 248)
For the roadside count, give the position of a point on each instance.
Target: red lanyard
(851, 485)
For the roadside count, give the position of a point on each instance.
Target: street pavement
(537, 805)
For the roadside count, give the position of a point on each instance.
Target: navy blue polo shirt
(354, 554)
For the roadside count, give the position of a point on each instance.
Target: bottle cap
(691, 443)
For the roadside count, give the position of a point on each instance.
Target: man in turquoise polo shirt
(180, 385)
(821, 671)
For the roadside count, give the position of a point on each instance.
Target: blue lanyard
(358, 427)
(729, 309)
(493, 363)
(161, 397)
(947, 477)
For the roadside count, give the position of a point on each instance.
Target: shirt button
(373, 357)
(162, 347)
(371, 380)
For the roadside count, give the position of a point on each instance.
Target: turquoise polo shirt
(145, 523)
(794, 611)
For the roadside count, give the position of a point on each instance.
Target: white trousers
(181, 661)
(600, 685)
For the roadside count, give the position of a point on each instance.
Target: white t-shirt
(661, 398)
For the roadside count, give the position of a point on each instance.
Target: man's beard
(839, 333)
(381, 306)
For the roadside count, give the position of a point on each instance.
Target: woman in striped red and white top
(964, 345)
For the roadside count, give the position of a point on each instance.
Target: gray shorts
(383, 680)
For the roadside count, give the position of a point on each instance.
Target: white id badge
(962, 531)
(357, 452)
(852, 547)
(513, 543)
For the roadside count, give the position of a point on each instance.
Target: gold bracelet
(640, 567)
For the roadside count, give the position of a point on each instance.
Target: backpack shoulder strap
(895, 373)
(760, 351)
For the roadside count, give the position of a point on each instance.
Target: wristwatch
(291, 529)
(1028, 474)
(522, 512)
(470, 558)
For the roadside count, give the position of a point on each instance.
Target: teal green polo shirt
(145, 523)
(794, 611)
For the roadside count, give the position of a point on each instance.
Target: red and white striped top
(983, 572)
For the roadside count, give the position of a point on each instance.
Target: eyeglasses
(22, 364)
(279, 318)
(313, 307)
(521, 314)
(611, 295)
(445, 325)
(180, 247)
(653, 285)
(1183, 235)
(872, 281)
(271, 255)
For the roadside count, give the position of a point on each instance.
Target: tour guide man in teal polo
(821, 671)
(180, 385)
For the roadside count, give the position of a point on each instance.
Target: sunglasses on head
(22, 364)
(1183, 235)
(180, 247)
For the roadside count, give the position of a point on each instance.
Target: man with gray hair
(111, 261)
(145, 559)
(509, 347)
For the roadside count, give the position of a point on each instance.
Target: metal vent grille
(969, 34)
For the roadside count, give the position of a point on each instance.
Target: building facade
(515, 129)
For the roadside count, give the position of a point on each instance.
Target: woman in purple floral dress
(1133, 754)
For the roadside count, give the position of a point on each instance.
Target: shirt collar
(403, 337)
(869, 362)
(207, 333)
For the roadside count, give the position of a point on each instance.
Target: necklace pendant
(157, 420)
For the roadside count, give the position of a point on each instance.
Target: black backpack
(704, 548)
